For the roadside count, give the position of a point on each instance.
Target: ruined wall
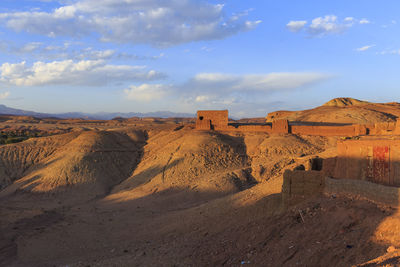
(329, 166)
(251, 128)
(218, 119)
(300, 185)
(360, 129)
(373, 192)
(370, 159)
(280, 126)
(383, 128)
(203, 124)
(324, 130)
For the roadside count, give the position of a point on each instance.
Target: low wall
(283, 127)
(218, 120)
(250, 128)
(374, 192)
(383, 128)
(300, 185)
(324, 130)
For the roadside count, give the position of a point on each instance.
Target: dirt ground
(248, 228)
(163, 194)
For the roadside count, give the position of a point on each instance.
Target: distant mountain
(4, 110)
(93, 116)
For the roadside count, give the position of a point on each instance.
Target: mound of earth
(17, 159)
(200, 166)
(87, 163)
(343, 110)
(204, 165)
(270, 155)
(345, 102)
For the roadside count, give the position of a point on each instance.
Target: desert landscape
(199, 133)
(294, 189)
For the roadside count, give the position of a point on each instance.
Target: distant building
(212, 120)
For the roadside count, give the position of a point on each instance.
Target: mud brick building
(212, 120)
(374, 159)
(218, 120)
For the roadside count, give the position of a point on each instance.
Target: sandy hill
(345, 102)
(343, 110)
(134, 164)
(204, 165)
(86, 164)
(163, 194)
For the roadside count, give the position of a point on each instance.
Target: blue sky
(250, 57)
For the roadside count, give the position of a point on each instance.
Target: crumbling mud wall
(218, 120)
(383, 128)
(250, 128)
(280, 126)
(371, 159)
(387, 195)
(212, 120)
(203, 124)
(300, 185)
(324, 130)
(367, 168)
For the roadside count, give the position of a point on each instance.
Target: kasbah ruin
(367, 163)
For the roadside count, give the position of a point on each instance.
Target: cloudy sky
(250, 57)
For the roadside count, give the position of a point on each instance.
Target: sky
(251, 57)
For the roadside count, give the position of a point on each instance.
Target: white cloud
(30, 47)
(89, 53)
(326, 25)
(69, 72)
(146, 92)
(296, 26)
(329, 24)
(221, 89)
(364, 21)
(156, 22)
(50, 52)
(203, 98)
(364, 48)
(390, 52)
(4, 95)
(255, 82)
(224, 88)
(349, 19)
